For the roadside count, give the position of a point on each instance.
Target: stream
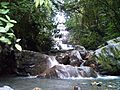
(28, 83)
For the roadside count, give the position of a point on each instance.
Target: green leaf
(4, 3)
(8, 18)
(1, 23)
(18, 47)
(46, 3)
(2, 19)
(13, 21)
(41, 2)
(18, 40)
(10, 34)
(50, 4)
(37, 2)
(5, 40)
(9, 25)
(2, 30)
(4, 11)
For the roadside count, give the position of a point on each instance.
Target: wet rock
(70, 58)
(110, 86)
(87, 72)
(67, 71)
(6, 88)
(76, 87)
(75, 54)
(89, 55)
(63, 59)
(90, 60)
(75, 58)
(76, 62)
(96, 83)
(36, 88)
(81, 50)
(113, 41)
(91, 63)
(31, 62)
(78, 47)
(108, 58)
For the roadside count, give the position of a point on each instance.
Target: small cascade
(71, 63)
(82, 65)
(52, 61)
(61, 35)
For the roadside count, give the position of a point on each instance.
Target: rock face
(108, 57)
(67, 71)
(31, 62)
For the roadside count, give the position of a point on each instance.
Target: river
(28, 83)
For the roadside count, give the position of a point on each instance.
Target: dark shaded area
(8, 63)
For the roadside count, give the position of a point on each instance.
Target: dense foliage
(6, 23)
(92, 22)
(34, 25)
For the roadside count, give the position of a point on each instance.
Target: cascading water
(61, 35)
(67, 69)
(52, 61)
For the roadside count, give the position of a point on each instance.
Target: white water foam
(108, 77)
(52, 61)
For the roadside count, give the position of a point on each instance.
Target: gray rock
(109, 57)
(67, 71)
(32, 62)
(6, 88)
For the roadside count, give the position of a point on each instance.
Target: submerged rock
(76, 87)
(6, 88)
(36, 88)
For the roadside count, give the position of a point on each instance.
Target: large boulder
(81, 50)
(31, 62)
(67, 71)
(63, 58)
(70, 58)
(75, 58)
(108, 57)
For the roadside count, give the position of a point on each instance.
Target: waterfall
(61, 35)
(52, 61)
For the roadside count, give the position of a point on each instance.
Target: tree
(93, 22)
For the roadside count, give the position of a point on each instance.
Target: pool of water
(23, 83)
